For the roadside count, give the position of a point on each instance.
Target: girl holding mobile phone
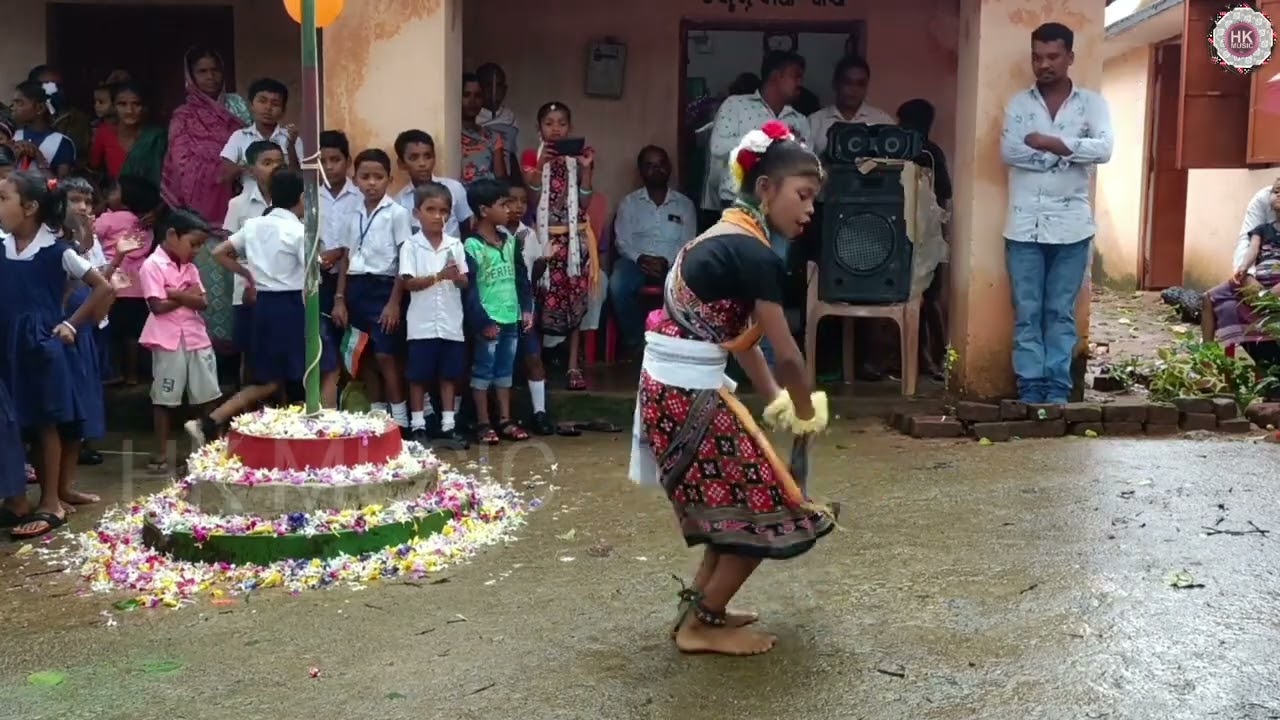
(561, 189)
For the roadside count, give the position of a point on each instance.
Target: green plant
(948, 367)
(1128, 372)
(1193, 368)
(1266, 305)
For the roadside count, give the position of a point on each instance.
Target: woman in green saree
(129, 146)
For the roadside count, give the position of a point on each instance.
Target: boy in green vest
(499, 303)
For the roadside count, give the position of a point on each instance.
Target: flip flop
(52, 522)
(568, 430)
(599, 426)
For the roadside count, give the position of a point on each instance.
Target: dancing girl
(731, 492)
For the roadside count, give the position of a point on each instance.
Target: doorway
(1165, 221)
(88, 41)
(716, 54)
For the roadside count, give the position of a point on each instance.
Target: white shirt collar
(43, 239)
(446, 242)
(348, 188)
(385, 201)
(284, 214)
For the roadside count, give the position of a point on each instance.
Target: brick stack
(1010, 419)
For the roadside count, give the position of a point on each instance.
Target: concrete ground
(1011, 582)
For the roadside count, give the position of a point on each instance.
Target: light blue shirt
(645, 228)
(1049, 194)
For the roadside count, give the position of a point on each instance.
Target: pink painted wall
(911, 47)
(995, 63)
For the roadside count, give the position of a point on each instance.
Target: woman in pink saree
(197, 132)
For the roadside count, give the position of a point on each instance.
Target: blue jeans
(1046, 281)
(495, 360)
(625, 283)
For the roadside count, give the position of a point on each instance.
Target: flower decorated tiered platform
(300, 502)
(281, 470)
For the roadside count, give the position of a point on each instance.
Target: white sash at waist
(690, 364)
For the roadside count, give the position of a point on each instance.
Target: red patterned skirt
(565, 300)
(721, 484)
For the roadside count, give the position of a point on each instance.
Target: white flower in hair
(50, 88)
(752, 146)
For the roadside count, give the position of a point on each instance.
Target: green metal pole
(310, 135)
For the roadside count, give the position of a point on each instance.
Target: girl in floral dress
(560, 189)
(730, 492)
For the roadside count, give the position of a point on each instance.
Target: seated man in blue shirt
(652, 224)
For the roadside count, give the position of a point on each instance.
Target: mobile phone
(569, 147)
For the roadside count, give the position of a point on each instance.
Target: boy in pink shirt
(182, 357)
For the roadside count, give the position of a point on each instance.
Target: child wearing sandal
(498, 305)
(182, 358)
(41, 367)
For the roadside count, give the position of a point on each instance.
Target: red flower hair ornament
(753, 146)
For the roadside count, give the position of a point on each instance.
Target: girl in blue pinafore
(38, 339)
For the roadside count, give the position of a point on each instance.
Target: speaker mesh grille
(864, 241)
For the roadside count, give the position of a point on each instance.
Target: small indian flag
(352, 347)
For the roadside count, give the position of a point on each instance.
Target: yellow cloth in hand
(781, 414)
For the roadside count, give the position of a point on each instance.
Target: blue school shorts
(278, 343)
(367, 295)
(495, 360)
(242, 327)
(434, 360)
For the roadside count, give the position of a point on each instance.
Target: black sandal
(52, 522)
(10, 519)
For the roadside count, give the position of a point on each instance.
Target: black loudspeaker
(848, 143)
(866, 254)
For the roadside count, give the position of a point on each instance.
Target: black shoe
(89, 456)
(542, 424)
(420, 436)
(433, 424)
(451, 440)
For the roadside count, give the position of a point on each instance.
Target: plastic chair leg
(589, 347)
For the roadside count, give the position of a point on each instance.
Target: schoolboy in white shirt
(270, 253)
(252, 202)
(340, 200)
(370, 291)
(268, 99)
(416, 154)
(433, 267)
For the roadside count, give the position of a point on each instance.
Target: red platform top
(301, 453)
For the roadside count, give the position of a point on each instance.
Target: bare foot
(696, 637)
(79, 498)
(68, 508)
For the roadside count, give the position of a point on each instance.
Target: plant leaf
(161, 667)
(47, 678)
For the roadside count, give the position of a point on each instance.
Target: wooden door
(1166, 206)
(87, 41)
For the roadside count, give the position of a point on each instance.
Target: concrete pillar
(994, 63)
(395, 65)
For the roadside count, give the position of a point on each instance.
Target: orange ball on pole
(326, 11)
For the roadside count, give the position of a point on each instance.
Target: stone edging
(1011, 419)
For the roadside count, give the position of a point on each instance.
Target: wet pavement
(1017, 581)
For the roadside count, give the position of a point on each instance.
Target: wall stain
(347, 48)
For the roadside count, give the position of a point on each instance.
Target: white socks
(446, 421)
(380, 407)
(538, 394)
(400, 413)
(418, 421)
(427, 407)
